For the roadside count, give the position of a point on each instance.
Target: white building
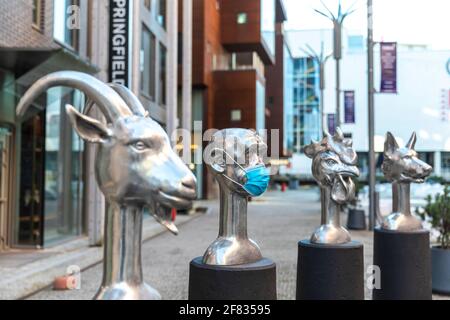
(422, 103)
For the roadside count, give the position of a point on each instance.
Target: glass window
(305, 87)
(37, 9)
(148, 63)
(162, 74)
(66, 22)
(51, 173)
(161, 12)
(241, 18)
(236, 115)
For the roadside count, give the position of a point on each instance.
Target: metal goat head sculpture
(333, 166)
(135, 168)
(402, 166)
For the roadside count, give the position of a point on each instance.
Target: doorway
(51, 174)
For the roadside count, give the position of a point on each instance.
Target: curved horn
(130, 99)
(109, 101)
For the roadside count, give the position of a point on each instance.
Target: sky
(405, 21)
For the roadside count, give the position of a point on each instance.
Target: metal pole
(187, 73)
(371, 102)
(338, 93)
(172, 67)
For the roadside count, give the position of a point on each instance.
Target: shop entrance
(51, 174)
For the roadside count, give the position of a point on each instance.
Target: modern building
(279, 91)
(233, 43)
(48, 192)
(421, 103)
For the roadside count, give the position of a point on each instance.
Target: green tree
(438, 210)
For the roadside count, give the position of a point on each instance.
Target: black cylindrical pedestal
(405, 265)
(333, 272)
(255, 281)
(356, 220)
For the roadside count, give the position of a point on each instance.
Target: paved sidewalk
(277, 222)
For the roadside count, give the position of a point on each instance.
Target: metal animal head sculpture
(333, 166)
(402, 166)
(237, 162)
(135, 168)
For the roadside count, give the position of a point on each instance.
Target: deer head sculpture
(402, 166)
(135, 168)
(333, 166)
(237, 162)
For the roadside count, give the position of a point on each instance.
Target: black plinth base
(330, 272)
(405, 265)
(255, 281)
(356, 220)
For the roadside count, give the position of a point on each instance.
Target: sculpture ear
(310, 150)
(218, 162)
(390, 145)
(412, 141)
(88, 129)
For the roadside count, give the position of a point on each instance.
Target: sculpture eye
(331, 162)
(139, 145)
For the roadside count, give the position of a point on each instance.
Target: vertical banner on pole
(119, 43)
(349, 106)
(388, 67)
(332, 123)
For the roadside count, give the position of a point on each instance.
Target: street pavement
(276, 221)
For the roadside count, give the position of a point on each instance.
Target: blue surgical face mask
(258, 179)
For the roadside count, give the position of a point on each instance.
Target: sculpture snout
(180, 189)
(350, 171)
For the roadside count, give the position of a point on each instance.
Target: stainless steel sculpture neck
(232, 246)
(404, 196)
(122, 267)
(332, 209)
(123, 232)
(330, 232)
(233, 215)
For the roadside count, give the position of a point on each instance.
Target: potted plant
(437, 211)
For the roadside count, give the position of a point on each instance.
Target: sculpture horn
(109, 101)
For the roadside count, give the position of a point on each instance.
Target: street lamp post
(321, 61)
(338, 22)
(371, 102)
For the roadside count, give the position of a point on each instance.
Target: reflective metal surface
(402, 167)
(135, 168)
(334, 163)
(233, 247)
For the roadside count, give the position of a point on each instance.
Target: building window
(37, 10)
(66, 22)
(241, 18)
(162, 74)
(306, 88)
(161, 12)
(236, 115)
(148, 63)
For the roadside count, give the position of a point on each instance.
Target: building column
(172, 67)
